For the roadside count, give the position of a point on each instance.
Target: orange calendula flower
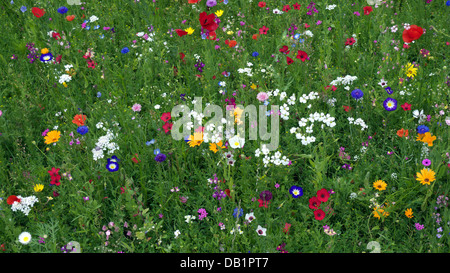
(409, 213)
(380, 185)
(427, 138)
(379, 211)
(79, 119)
(52, 137)
(426, 176)
(196, 139)
(213, 146)
(402, 133)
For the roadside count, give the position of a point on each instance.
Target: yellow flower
(409, 213)
(44, 51)
(213, 146)
(426, 176)
(196, 139)
(379, 185)
(230, 32)
(52, 136)
(219, 13)
(38, 187)
(377, 211)
(253, 86)
(411, 71)
(427, 138)
(189, 30)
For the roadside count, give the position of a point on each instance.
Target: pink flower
(136, 107)
(262, 96)
(45, 132)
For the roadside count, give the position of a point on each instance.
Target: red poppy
(263, 30)
(289, 60)
(261, 4)
(319, 214)
(263, 203)
(182, 55)
(11, 199)
(181, 32)
(402, 133)
(367, 10)
(136, 159)
(56, 35)
(302, 55)
(350, 41)
(255, 36)
(38, 12)
(167, 127)
(207, 21)
(70, 17)
(314, 202)
(54, 171)
(79, 119)
(193, 1)
(346, 108)
(296, 6)
(286, 8)
(412, 33)
(212, 35)
(166, 116)
(323, 195)
(286, 228)
(284, 49)
(227, 191)
(406, 106)
(231, 43)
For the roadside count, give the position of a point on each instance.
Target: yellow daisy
(38, 187)
(411, 71)
(52, 137)
(379, 185)
(189, 30)
(409, 213)
(426, 176)
(219, 13)
(196, 139)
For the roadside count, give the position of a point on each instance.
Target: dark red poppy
(208, 22)
(284, 49)
(346, 108)
(323, 195)
(56, 35)
(350, 41)
(167, 127)
(212, 35)
(55, 194)
(58, 59)
(319, 214)
(38, 12)
(166, 116)
(286, 8)
(302, 55)
(289, 60)
(314, 202)
(54, 171)
(296, 6)
(412, 33)
(367, 10)
(181, 32)
(406, 106)
(261, 4)
(227, 191)
(11, 199)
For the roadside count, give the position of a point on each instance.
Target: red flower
(286, 228)
(261, 4)
(302, 55)
(367, 10)
(333, 88)
(56, 35)
(346, 108)
(182, 55)
(58, 59)
(314, 202)
(231, 43)
(289, 60)
(350, 41)
(296, 6)
(181, 32)
(323, 195)
(284, 49)
(167, 127)
(212, 35)
(406, 106)
(263, 30)
(402, 133)
(11, 199)
(255, 36)
(263, 203)
(207, 21)
(319, 214)
(227, 191)
(286, 8)
(136, 159)
(166, 116)
(412, 33)
(53, 171)
(38, 12)
(70, 17)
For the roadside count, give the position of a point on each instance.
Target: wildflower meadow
(224, 126)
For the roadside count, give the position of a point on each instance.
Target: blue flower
(82, 130)
(23, 8)
(235, 213)
(301, 41)
(148, 143)
(156, 151)
(62, 10)
(389, 90)
(99, 94)
(296, 191)
(266, 102)
(422, 129)
(447, 3)
(125, 50)
(255, 54)
(297, 36)
(204, 36)
(45, 58)
(160, 157)
(357, 94)
(113, 164)
(390, 104)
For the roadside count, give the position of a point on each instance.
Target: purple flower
(426, 162)
(160, 157)
(211, 3)
(265, 196)
(390, 104)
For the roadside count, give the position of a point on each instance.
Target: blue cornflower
(422, 129)
(204, 36)
(447, 3)
(82, 130)
(125, 50)
(63, 10)
(23, 8)
(99, 94)
(301, 41)
(235, 213)
(160, 157)
(357, 94)
(255, 54)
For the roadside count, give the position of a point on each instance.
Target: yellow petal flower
(219, 13)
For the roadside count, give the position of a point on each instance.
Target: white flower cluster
(274, 159)
(104, 143)
(25, 204)
(330, 7)
(347, 80)
(311, 96)
(359, 122)
(284, 109)
(325, 119)
(246, 70)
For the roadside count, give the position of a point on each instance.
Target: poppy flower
(284, 49)
(56, 35)
(263, 203)
(70, 18)
(412, 33)
(255, 36)
(289, 60)
(263, 30)
(406, 106)
(182, 55)
(314, 202)
(11, 199)
(319, 214)
(167, 127)
(402, 133)
(350, 41)
(346, 108)
(212, 35)
(79, 119)
(38, 12)
(166, 116)
(207, 21)
(323, 195)
(286, 8)
(181, 32)
(261, 4)
(231, 43)
(367, 10)
(302, 55)
(296, 6)
(193, 1)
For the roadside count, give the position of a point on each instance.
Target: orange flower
(79, 119)
(70, 17)
(255, 36)
(428, 139)
(402, 133)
